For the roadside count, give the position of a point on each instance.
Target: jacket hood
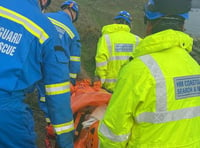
(162, 41)
(114, 28)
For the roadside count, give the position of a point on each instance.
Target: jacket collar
(114, 28)
(162, 41)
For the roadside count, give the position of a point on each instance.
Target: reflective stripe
(113, 58)
(161, 94)
(101, 64)
(61, 25)
(137, 40)
(161, 115)
(102, 80)
(73, 75)
(167, 116)
(42, 99)
(109, 44)
(47, 120)
(64, 128)
(29, 25)
(75, 58)
(110, 80)
(56, 89)
(110, 135)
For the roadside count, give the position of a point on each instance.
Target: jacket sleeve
(116, 127)
(75, 53)
(132, 88)
(56, 81)
(42, 100)
(101, 59)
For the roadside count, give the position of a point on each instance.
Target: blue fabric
(25, 59)
(72, 47)
(16, 123)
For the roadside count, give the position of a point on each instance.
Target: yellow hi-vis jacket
(114, 48)
(156, 102)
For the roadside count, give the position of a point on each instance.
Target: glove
(73, 81)
(65, 140)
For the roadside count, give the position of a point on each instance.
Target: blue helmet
(70, 4)
(152, 12)
(124, 15)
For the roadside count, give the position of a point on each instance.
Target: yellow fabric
(33, 28)
(135, 94)
(109, 63)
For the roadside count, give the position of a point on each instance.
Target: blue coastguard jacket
(29, 52)
(70, 40)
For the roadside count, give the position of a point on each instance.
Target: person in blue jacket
(68, 34)
(30, 51)
(63, 21)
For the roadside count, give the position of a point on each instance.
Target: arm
(132, 88)
(56, 81)
(101, 59)
(75, 53)
(42, 100)
(115, 128)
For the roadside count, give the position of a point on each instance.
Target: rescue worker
(114, 48)
(30, 51)
(63, 21)
(156, 102)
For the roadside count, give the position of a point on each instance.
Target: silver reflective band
(72, 75)
(161, 94)
(101, 64)
(161, 115)
(167, 116)
(42, 99)
(64, 128)
(74, 58)
(137, 40)
(110, 135)
(60, 88)
(110, 80)
(61, 25)
(28, 24)
(55, 89)
(102, 80)
(109, 44)
(113, 58)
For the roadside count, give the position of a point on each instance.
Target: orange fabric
(92, 138)
(85, 100)
(86, 95)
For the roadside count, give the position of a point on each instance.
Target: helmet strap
(74, 19)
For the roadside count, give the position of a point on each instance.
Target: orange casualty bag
(88, 104)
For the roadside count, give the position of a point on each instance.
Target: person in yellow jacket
(156, 102)
(114, 48)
